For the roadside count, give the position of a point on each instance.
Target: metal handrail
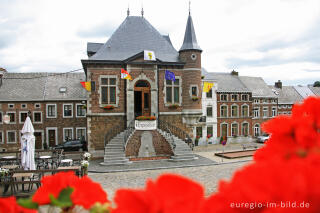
(112, 133)
(128, 132)
(164, 126)
(178, 132)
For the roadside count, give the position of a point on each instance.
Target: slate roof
(133, 36)
(190, 39)
(41, 86)
(226, 81)
(304, 91)
(315, 90)
(257, 86)
(93, 47)
(286, 95)
(71, 81)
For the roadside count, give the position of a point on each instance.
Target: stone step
(183, 154)
(112, 158)
(115, 162)
(114, 146)
(109, 153)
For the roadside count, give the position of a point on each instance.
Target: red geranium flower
(9, 205)
(53, 185)
(170, 193)
(86, 193)
(258, 187)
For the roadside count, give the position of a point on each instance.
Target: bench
(247, 146)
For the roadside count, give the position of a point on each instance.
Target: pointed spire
(190, 39)
(189, 8)
(142, 12)
(128, 11)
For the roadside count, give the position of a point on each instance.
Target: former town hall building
(115, 101)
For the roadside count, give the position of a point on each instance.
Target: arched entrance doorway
(142, 98)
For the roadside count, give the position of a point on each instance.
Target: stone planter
(145, 124)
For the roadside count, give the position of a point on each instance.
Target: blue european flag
(170, 76)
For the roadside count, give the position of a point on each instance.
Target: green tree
(316, 84)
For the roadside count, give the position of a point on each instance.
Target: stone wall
(99, 126)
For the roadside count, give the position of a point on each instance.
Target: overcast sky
(274, 39)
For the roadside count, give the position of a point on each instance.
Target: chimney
(278, 84)
(234, 73)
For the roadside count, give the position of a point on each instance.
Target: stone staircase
(182, 151)
(114, 153)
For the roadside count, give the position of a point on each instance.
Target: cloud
(103, 30)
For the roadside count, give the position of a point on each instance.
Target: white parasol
(27, 146)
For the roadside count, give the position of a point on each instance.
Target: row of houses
(237, 106)
(54, 102)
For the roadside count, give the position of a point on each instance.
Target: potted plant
(194, 98)
(173, 106)
(84, 166)
(108, 107)
(140, 118)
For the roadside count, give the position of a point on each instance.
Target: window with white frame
(173, 91)
(23, 106)
(209, 111)
(289, 106)
(245, 129)
(81, 132)
(224, 111)
(11, 136)
(81, 111)
(256, 112)
(265, 112)
(67, 110)
(67, 134)
(108, 89)
(274, 111)
(256, 101)
(234, 97)
(256, 130)
(223, 97)
(1, 137)
(12, 116)
(245, 111)
(1, 114)
(234, 111)
(234, 129)
(37, 105)
(10, 106)
(209, 94)
(265, 100)
(244, 97)
(194, 90)
(273, 100)
(51, 110)
(23, 116)
(37, 117)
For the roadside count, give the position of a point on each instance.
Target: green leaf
(27, 203)
(64, 199)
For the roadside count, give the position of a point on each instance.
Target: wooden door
(143, 99)
(38, 136)
(52, 137)
(224, 130)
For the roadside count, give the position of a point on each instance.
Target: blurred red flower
(86, 193)
(9, 205)
(53, 184)
(169, 193)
